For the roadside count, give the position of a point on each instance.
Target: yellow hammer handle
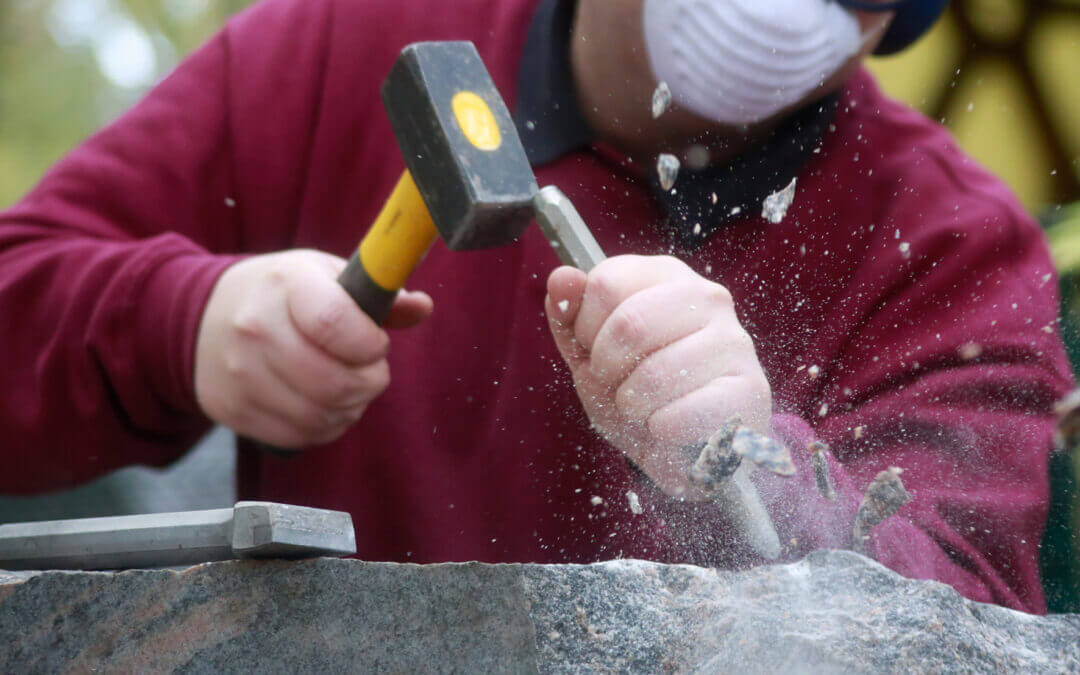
(395, 244)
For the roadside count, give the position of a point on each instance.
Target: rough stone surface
(832, 612)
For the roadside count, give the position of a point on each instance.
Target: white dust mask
(741, 61)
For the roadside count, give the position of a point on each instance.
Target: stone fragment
(820, 467)
(775, 206)
(661, 99)
(667, 169)
(883, 498)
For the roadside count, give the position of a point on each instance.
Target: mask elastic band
(868, 6)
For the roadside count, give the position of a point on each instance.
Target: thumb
(566, 292)
(409, 309)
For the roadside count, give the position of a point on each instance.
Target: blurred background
(1003, 75)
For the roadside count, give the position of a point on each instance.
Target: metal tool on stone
(720, 471)
(248, 530)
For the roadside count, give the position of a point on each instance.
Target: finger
(324, 313)
(616, 279)
(678, 369)
(311, 373)
(269, 428)
(653, 319)
(693, 417)
(273, 396)
(409, 309)
(287, 435)
(263, 425)
(566, 288)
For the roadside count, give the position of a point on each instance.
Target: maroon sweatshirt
(909, 277)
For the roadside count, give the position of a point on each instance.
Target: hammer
(468, 180)
(467, 177)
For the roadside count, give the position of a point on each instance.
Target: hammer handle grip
(393, 246)
(369, 296)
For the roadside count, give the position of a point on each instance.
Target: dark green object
(1059, 558)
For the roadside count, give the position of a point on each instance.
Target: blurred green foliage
(55, 84)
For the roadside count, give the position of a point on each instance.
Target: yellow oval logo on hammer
(476, 120)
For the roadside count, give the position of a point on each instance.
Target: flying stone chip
(775, 206)
(718, 460)
(763, 451)
(883, 498)
(667, 168)
(820, 467)
(724, 451)
(661, 100)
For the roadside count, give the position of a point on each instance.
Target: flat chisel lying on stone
(575, 245)
(248, 530)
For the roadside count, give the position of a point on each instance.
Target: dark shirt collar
(548, 118)
(551, 125)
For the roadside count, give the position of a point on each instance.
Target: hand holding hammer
(284, 354)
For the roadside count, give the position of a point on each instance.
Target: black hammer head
(460, 144)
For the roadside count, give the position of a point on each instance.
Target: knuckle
(640, 387)
(326, 323)
(628, 325)
(277, 275)
(602, 284)
(719, 295)
(607, 280)
(248, 324)
(743, 341)
(314, 420)
(380, 377)
(380, 344)
(341, 388)
(630, 399)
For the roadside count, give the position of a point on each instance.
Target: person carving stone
(177, 269)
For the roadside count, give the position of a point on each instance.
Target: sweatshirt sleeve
(106, 265)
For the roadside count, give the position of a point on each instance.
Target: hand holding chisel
(659, 361)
